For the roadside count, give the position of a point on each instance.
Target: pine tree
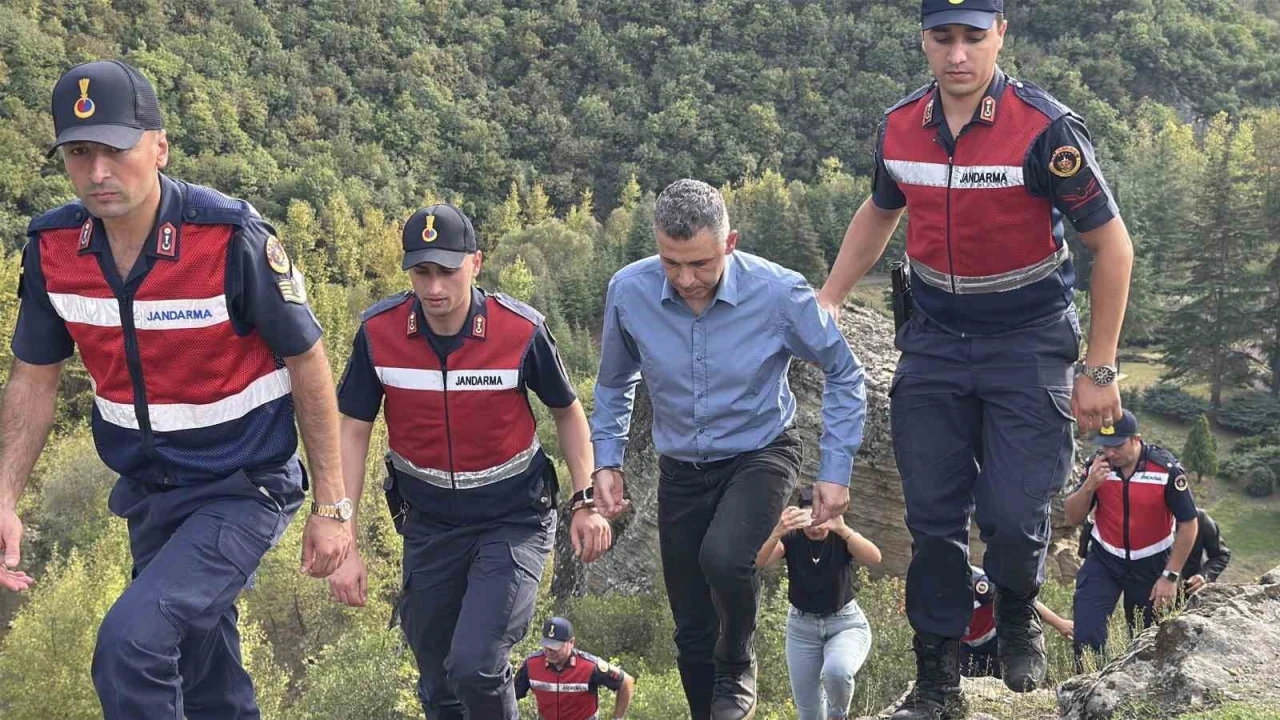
(537, 207)
(503, 219)
(1201, 453)
(640, 242)
(516, 281)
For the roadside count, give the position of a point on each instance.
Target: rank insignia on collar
(277, 258)
(477, 327)
(167, 241)
(86, 233)
(988, 108)
(413, 324)
(928, 112)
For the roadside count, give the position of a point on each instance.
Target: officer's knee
(724, 566)
(131, 634)
(471, 670)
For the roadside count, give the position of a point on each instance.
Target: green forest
(553, 123)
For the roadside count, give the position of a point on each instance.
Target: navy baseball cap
(556, 632)
(105, 102)
(1120, 431)
(806, 497)
(439, 234)
(974, 13)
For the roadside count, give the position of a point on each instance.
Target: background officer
(565, 680)
(454, 365)
(988, 167)
(193, 324)
(1136, 492)
(980, 646)
(1209, 555)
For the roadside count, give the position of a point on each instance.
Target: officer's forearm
(863, 244)
(1076, 507)
(575, 442)
(1108, 289)
(354, 437)
(25, 420)
(317, 407)
(1183, 540)
(623, 700)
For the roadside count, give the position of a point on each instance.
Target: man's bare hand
(590, 535)
(1162, 594)
(608, 493)
(349, 584)
(829, 500)
(830, 305)
(10, 546)
(1195, 584)
(1098, 473)
(1094, 406)
(793, 518)
(325, 542)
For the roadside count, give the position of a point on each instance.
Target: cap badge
(429, 233)
(1108, 430)
(956, 2)
(551, 631)
(84, 107)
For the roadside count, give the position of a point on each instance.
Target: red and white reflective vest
(178, 394)
(1132, 517)
(461, 426)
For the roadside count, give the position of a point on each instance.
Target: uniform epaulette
(536, 653)
(70, 215)
(206, 206)
(518, 307)
(1159, 455)
(910, 98)
(1038, 98)
(385, 304)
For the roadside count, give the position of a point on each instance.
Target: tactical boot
(936, 694)
(734, 697)
(1021, 650)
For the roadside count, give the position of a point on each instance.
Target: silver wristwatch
(1101, 375)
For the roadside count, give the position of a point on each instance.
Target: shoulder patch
(385, 304)
(919, 93)
(1038, 98)
(517, 307)
(70, 215)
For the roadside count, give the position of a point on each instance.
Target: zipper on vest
(448, 428)
(134, 360)
(1126, 519)
(951, 263)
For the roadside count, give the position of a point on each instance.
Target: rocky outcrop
(876, 505)
(1224, 647)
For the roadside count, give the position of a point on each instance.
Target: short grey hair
(688, 207)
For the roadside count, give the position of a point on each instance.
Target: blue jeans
(824, 652)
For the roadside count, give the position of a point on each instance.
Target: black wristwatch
(1171, 575)
(1102, 375)
(586, 497)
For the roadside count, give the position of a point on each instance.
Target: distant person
(205, 362)
(1144, 529)
(451, 367)
(713, 331)
(991, 169)
(565, 681)
(828, 637)
(1209, 556)
(980, 646)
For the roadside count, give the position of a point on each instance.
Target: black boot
(936, 695)
(1021, 653)
(734, 697)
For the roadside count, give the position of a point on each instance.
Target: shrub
(1173, 402)
(1252, 413)
(1261, 482)
(1201, 453)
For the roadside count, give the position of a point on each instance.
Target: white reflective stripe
(184, 416)
(147, 314)
(979, 640)
(963, 177)
(1140, 553)
(1150, 478)
(1000, 282)
(103, 312)
(441, 477)
(907, 172)
(459, 380)
(559, 687)
(179, 314)
(986, 177)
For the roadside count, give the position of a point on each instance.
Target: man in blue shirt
(712, 332)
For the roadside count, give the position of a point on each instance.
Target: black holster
(396, 503)
(549, 498)
(1086, 534)
(901, 279)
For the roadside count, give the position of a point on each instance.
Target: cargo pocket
(213, 573)
(1059, 448)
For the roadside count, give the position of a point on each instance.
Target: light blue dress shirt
(718, 381)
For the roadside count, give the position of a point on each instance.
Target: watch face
(1104, 375)
(344, 508)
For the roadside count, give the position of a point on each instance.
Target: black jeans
(712, 520)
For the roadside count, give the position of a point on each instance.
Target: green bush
(1173, 402)
(1261, 482)
(1241, 464)
(1131, 398)
(1252, 413)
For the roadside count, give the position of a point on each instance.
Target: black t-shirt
(820, 574)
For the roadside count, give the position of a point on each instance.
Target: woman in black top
(828, 637)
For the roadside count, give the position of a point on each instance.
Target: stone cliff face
(876, 508)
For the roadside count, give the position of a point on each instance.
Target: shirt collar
(986, 112)
(727, 290)
(476, 326)
(573, 660)
(166, 232)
